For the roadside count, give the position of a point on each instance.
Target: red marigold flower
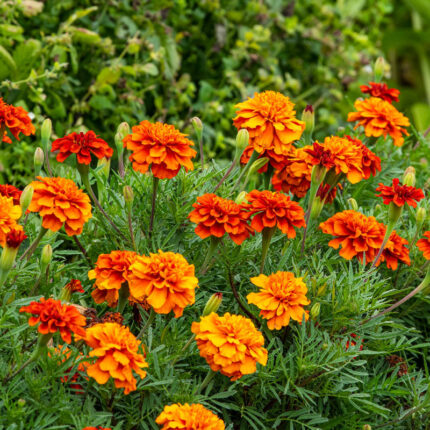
(395, 250)
(424, 245)
(216, 216)
(272, 209)
(16, 120)
(83, 145)
(52, 316)
(11, 191)
(14, 238)
(74, 286)
(370, 162)
(271, 121)
(161, 147)
(381, 91)
(400, 194)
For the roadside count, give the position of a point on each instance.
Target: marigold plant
(14, 119)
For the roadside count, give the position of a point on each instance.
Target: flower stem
(82, 249)
(226, 175)
(253, 157)
(186, 346)
(390, 228)
(149, 321)
(29, 251)
(212, 247)
(130, 227)
(154, 198)
(267, 237)
(205, 383)
(124, 294)
(268, 176)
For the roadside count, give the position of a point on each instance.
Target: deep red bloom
(400, 194)
(74, 286)
(14, 238)
(83, 145)
(309, 108)
(381, 91)
(321, 156)
(11, 191)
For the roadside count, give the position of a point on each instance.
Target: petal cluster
(14, 238)
(271, 121)
(424, 245)
(281, 297)
(9, 216)
(381, 91)
(53, 316)
(394, 251)
(188, 417)
(400, 194)
(15, 120)
(165, 280)
(230, 344)
(11, 191)
(60, 202)
(161, 147)
(117, 352)
(216, 216)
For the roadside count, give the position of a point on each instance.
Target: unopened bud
(26, 197)
(308, 116)
(315, 310)
(46, 131)
(377, 209)
(257, 165)
(353, 204)
(122, 131)
(39, 158)
(45, 258)
(128, 195)
(198, 126)
(409, 177)
(22, 402)
(241, 197)
(212, 304)
(242, 141)
(367, 427)
(421, 216)
(318, 174)
(379, 69)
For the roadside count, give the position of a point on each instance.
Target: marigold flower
(216, 216)
(83, 145)
(272, 209)
(53, 316)
(111, 273)
(161, 147)
(370, 162)
(9, 216)
(271, 121)
(394, 251)
(400, 194)
(74, 286)
(424, 245)
(16, 120)
(379, 117)
(281, 297)
(14, 238)
(381, 91)
(230, 344)
(165, 280)
(59, 201)
(189, 417)
(117, 352)
(11, 191)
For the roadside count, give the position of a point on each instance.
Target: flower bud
(409, 177)
(317, 207)
(198, 126)
(242, 140)
(73, 286)
(421, 216)
(379, 69)
(21, 402)
(241, 197)
(315, 310)
(46, 131)
(122, 131)
(45, 258)
(128, 195)
(367, 427)
(26, 197)
(104, 165)
(377, 209)
(257, 165)
(353, 204)
(318, 174)
(212, 304)
(308, 117)
(38, 159)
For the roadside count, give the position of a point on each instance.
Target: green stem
(149, 321)
(212, 247)
(205, 383)
(267, 237)
(130, 227)
(154, 198)
(29, 251)
(390, 228)
(268, 176)
(253, 157)
(186, 346)
(124, 294)
(226, 175)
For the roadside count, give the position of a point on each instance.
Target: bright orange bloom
(54, 316)
(424, 245)
(277, 161)
(165, 280)
(272, 209)
(161, 147)
(16, 120)
(83, 145)
(14, 238)
(381, 91)
(74, 286)
(9, 216)
(189, 417)
(59, 201)
(117, 352)
(395, 250)
(271, 121)
(379, 117)
(111, 273)
(400, 194)
(230, 344)
(216, 216)
(11, 191)
(281, 297)
(295, 175)
(370, 162)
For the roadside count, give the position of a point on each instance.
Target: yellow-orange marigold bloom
(189, 417)
(272, 209)
(117, 352)
(165, 280)
(111, 273)
(424, 245)
(230, 344)
(379, 117)
(14, 119)
(216, 216)
(271, 121)
(161, 147)
(281, 297)
(59, 201)
(9, 216)
(395, 250)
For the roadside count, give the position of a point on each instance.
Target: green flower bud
(104, 163)
(317, 207)
(308, 117)
(379, 69)
(409, 177)
(46, 131)
(242, 141)
(315, 310)
(26, 197)
(212, 304)
(38, 159)
(122, 131)
(128, 195)
(353, 204)
(46, 257)
(367, 427)
(257, 165)
(241, 197)
(421, 216)
(318, 174)
(198, 126)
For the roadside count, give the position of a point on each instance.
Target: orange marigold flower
(117, 352)
(370, 162)
(14, 238)
(271, 121)
(395, 250)
(379, 117)
(59, 201)
(16, 120)
(83, 145)
(74, 286)
(165, 280)
(11, 191)
(400, 194)
(272, 209)
(230, 344)
(189, 417)
(424, 245)
(9, 216)
(160, 146)
(110, 273)
(381, 91)
(54, 316)
(216, 216)
(281, 297)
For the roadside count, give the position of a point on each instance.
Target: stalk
(149, 321)
(154, 198)
(267, 237)
(29, 251)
